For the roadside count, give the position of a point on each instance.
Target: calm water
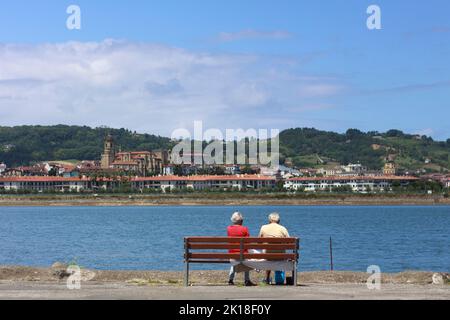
(395, 238)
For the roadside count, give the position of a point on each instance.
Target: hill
(307, 147)
(26, 144)
(303, 147)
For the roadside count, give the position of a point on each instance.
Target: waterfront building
(356, 183)
(62, 184)
(201, 182)
(42, 184)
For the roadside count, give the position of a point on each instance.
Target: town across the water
(153, 171)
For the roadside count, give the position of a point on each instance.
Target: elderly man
(237, 230)
(273, 230)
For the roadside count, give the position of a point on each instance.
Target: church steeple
(108, 152)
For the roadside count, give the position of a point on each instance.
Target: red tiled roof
(31, 169)
(347, 178)
(98, 169)
(134, 152)
(125, 163)
(207, 178)
(42, 179)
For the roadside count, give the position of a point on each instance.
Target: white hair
(274, 217)
(237, 217)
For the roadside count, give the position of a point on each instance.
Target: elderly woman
(237, 230)
(273, 230)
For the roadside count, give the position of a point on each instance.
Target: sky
(158, 66)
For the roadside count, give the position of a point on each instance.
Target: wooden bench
(200, 250)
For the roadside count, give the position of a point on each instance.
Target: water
(127, 238)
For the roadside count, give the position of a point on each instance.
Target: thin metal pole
(186, 263)
(186, 274)
(294, 272)
(331, 255)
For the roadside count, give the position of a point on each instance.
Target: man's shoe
(250, 284)
(231, 283)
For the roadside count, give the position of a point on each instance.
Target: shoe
(231, 283)
(250, 284)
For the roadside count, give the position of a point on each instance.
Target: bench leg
(186, 274)
(294, 274)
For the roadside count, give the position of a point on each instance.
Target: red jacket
(240, 232)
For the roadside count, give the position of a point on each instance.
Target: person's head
(274, 218)
(237, 218)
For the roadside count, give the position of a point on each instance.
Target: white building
(2, 168)
(204, 182)
(330, 171)
(354, 168)
(41, 184)
(232, 169)
(169, 170)
(280, 170)
(357, 183)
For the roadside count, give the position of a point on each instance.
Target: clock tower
(108, 155)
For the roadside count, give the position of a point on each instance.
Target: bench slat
(210, 261)
(227, 246)
(233, 240)
(265, 256)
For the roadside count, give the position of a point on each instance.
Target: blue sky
(155, 66)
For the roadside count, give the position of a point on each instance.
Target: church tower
(108, 155)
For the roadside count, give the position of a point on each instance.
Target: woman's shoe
(231, 283)
(250, 284)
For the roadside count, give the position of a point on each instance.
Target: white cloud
(144, 87)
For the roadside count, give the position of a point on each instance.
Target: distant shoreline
(222, 200)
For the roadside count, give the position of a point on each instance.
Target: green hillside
(303, 147)
(310, 147)
(27, 144)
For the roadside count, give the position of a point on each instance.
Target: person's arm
(261, 233)
(247, 232)
(287, 233)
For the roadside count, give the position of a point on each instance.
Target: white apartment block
(357, 183)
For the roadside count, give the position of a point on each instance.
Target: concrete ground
(123, 291)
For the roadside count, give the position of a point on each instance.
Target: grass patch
(172, 281)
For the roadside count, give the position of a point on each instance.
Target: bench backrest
(211, 249)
